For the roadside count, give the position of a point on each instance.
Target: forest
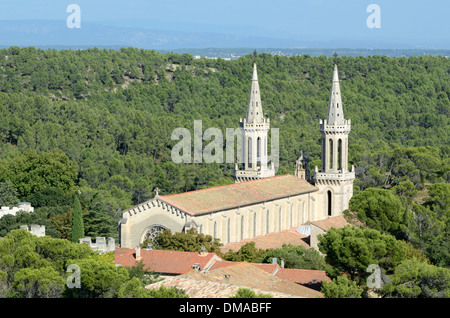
(96, 124)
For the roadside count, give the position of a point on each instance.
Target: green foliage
(247, 253)
(405, 188)
(49, 197)
(99, 279)
(8, 194)
(43, 282)
(379, 209)
(10, 222)
(77, 231)
(341, 287)
(145, 276)
(352, 250)
(36, 267)
(164, 292)
(248, 293)
(415, 279)
(191, 241)
(31, 172)
(295, 256)
(101, 120)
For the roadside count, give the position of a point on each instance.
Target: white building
(22, 206)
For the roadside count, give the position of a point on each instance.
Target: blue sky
(301, 19)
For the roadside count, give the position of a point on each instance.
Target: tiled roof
(331, 222)
(299, 276)
(272, 240)
(163, 261)
(238, 194)
(213, 283)
(302, 276)
(196, 288)
(270, 268)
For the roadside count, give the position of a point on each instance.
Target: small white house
(22, 206)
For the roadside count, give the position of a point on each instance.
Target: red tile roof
(302, 276)
(271, 240)
(299, 276)
(247, 275)
(270, 268)
(331, 222)
(238, 194)
(163, 261)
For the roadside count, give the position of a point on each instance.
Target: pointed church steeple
(335, 114)
(254, 108)
(254, 138)
(335, 180)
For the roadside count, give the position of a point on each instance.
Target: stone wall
(101, 244)
(38, 230)
(22, 206)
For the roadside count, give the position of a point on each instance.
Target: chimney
(282, 262)
(203, 251)
(196, 267)
(138, 253)
(226, 278)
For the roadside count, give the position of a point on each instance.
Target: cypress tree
(77, 231)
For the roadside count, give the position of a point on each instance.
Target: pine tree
(77, 221)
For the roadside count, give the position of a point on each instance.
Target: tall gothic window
(258, 152)
(340, 154)
(249, 151)
(330, 159)
(329, 202)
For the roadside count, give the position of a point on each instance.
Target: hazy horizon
(174, 24)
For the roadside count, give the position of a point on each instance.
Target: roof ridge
(225, 185)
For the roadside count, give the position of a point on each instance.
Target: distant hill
(55, 34)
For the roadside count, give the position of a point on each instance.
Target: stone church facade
(259, 202)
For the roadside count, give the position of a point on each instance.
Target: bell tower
(254, 128)
(335, 180)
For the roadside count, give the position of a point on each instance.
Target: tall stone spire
(335, 114)
(254, 108)
(335, 180)
(255, 127)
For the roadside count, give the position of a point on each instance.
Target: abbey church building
(259, 202)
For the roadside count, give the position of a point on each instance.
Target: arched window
(340, 154)
(330, 159)
(215, 229)
(267, 221)
(249, 151)
(258, 152)
(329, 202)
